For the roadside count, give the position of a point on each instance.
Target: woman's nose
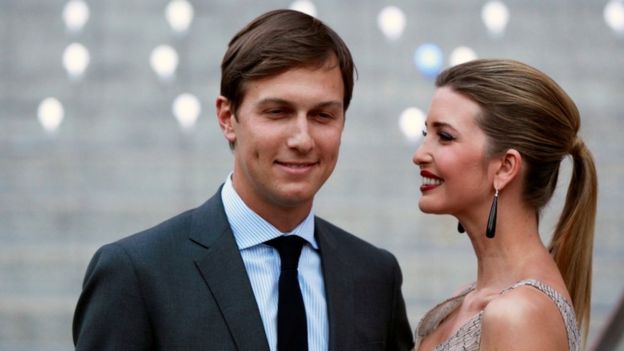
(421, 155)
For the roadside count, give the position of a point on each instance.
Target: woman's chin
(429, 208)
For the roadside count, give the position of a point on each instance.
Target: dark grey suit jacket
(182, 285)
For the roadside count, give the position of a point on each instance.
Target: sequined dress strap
(567, 311)
(464, 336)
(468, 336)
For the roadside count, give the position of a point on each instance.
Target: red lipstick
(429, 181)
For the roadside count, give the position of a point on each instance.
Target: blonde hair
(524, 109)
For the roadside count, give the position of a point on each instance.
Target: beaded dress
(468, 336)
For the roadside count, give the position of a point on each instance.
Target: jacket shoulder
(203, 221)
(355, 247)
(169, 229)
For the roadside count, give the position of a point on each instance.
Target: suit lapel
(338, 290)
(224, 272)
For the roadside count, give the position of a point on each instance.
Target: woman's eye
(446, 136)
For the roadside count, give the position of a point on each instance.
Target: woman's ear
(509, 168)
(226, 118)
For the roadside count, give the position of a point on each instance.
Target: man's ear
(226, 118)
(509, 167)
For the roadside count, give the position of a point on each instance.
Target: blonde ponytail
(572, 242)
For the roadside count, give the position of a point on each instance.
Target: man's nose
(300, 137)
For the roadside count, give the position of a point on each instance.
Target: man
(209, 278)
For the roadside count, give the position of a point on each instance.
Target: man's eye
(276, 112)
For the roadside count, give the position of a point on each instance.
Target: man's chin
(294, 198)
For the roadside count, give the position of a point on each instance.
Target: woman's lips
(429, 181)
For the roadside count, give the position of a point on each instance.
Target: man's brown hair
(276, 42)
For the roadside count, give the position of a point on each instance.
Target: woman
(496, 133)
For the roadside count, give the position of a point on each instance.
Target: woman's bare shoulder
(523, 319)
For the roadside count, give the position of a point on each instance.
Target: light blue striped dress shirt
(263, 268)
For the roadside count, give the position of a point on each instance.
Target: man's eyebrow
(267, 101)
(329, 104)
(279, 101)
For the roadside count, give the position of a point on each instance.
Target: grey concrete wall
(119, 162)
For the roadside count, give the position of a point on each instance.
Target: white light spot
(411, 123)
(614, 15)
(76, 59)
(186, 108)
(461, 54)
(304, 6)
(50, 114)
(391, 21)
(179, 14)
(75, 15)
(164, 61)
(495, 16)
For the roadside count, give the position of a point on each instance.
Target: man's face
(287, 133)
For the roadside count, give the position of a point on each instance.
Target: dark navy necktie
(292, 332)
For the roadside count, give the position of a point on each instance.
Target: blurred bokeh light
(614, 15)
(412, 123)
(304, 6)
(495, 16)
(50, 114)
(179, 15)
(429, 59)
(391, 20)
(186, 109)
(76, 58)
(460, 55)
(75, 15)
(164, 61)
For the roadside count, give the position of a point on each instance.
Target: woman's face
(452, 157)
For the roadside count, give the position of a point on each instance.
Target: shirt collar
(250, 229)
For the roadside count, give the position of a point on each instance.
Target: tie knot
(289, 248)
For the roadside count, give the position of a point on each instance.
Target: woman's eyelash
(443, 135)
(446, 136)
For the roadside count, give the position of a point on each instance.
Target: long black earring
(490, 231)
(460, 227)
